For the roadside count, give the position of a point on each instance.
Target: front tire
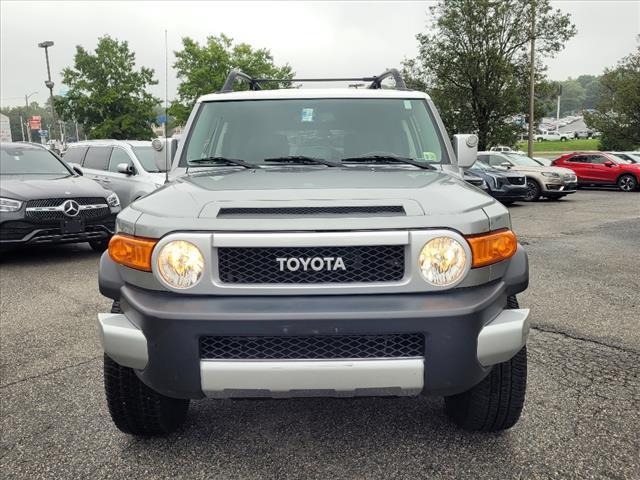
(135, 408)
(533, 191)
(496, 403)
(627, 183)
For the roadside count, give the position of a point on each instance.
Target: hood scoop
(312, 211)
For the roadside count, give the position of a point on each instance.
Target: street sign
(43, 133)
(35, 122)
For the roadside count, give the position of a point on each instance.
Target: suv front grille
(265, 265)
(312, 347)
(516, 180)
(50, 216)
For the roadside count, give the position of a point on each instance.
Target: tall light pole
(49, 83)
(26, 104)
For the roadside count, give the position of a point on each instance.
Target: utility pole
(49, 84)
(532, 80)
(22, 127)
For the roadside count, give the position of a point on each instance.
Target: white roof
(288, 93)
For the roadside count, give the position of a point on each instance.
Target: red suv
(598, 168)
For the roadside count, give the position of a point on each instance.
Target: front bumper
(510, 192)
(23, 232)
(564, 188)
(466, 331)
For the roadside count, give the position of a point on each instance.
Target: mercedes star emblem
(71, 208)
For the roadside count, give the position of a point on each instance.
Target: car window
(578, 159)
(118, 155)
(146, 157)
(97, 158)
(75, 155)
(22, 160)
(521, 160)
(324, 128)
(598, 159)
(496, 160)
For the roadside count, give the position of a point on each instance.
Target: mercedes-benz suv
(44, 200)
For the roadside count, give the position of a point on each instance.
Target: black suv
(505, 186)
(43, 200)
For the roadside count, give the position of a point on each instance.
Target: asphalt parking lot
(581, 418)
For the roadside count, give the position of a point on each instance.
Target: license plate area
(73, 225)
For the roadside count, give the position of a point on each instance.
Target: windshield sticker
(407, 105)
(429, 156)
(307, 115)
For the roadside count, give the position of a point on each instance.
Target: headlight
(442, 261)
(9, 205)
(180, 264)
(551, 174)
(113, 200)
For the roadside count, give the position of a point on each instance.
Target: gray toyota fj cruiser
(315, 242)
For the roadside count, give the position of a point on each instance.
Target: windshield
(481, 166)
(27, 160)
(522, 160)
(146, 156)
(327, 129)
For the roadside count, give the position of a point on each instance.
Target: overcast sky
(315, 38)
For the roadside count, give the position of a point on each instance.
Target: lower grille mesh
(312, 347)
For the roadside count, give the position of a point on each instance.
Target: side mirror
(609, 163)
(76, 168)
(505, 165)
(125, 168)
(465, 147)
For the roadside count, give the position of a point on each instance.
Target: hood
(498, 173)
(421, 191)
(30, 187)
(540, 169)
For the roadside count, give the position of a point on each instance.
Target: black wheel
(563, 139)
(495, 403)
(533, 191)
(99, 245)
(627, 183)
(135, 408)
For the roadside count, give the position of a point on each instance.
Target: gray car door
(121, 183)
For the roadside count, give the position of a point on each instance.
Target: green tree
(618, 112)
(107, 94)
(473, 61)
(202, 69)
(572, 98)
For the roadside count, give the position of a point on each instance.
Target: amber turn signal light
(493, 247)
(133, 252)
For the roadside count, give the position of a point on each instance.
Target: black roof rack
(254, 83)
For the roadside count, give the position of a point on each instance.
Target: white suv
(127, 167)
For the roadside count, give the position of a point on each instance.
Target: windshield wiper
(388, 159)
(214, 161)
(301, 159)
